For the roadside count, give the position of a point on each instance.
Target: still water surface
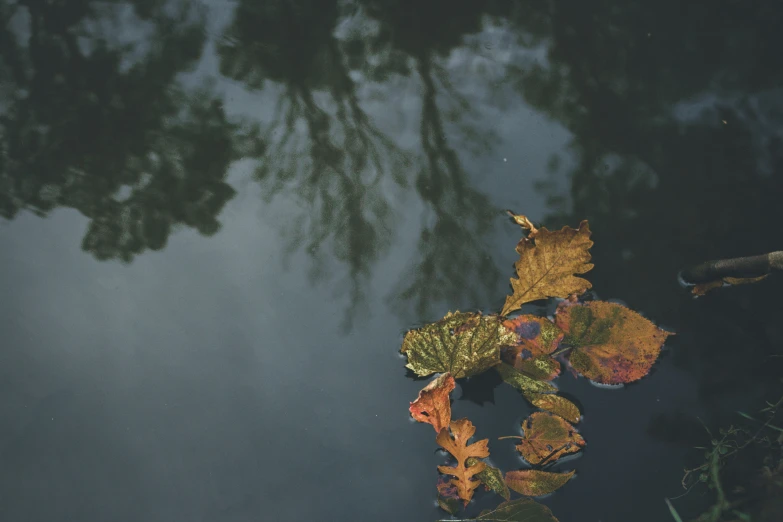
(219, 218)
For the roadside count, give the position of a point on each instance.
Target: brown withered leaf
(462, 344)
(456, 443)
(536, 483)
(547, 264)
(555, 404)
(547, 438)
(703, 288)
(433, 405)
(538, 337)
(612, 344)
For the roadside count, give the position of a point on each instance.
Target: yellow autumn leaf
(547, 263)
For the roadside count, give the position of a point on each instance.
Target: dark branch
(744, 267)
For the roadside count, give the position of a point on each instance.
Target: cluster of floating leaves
(604, 342)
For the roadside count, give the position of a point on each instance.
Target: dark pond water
(220, 218)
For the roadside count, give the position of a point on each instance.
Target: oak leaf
(462, 344)
(547, 438)
(547, 263)
(536, 483)
(456, 443)
(538, 337)
(612, 344)
(518, 510)
(433, 405)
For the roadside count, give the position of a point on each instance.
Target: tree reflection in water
(95, 119)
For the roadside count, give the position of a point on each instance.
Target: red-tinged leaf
(448, 499)
(433, 405)
(547, 438)
(456, 443)
(538, 338)
(612, 344)
(535, 483)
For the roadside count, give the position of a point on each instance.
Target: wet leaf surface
(547, 263)
(555, 404)
(456, 443)
(612, 344)
(522, 382)
(538, 338)
(536, 483)
(492, 478)
(433, 405)
(462, 344)
(547, 438)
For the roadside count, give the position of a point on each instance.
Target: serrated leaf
(547, 264)
(433, 405)
(536, 483)
(547, 438)
(456, 443)
(492, 478)
(519, 510)
(612, 344)
(462, 344)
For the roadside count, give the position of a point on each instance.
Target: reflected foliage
(95, 119)
(676, 119)
(341, 166)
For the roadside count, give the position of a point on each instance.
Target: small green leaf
(492, 478)
(522, 382)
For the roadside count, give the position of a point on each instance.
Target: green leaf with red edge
(612, 344)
